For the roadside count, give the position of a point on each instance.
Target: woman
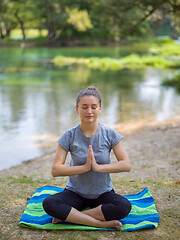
(89, 183)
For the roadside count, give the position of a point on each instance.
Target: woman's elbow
(128, 166)
(53, 172)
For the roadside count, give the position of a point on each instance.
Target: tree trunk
(8, 31)
(22, 29)
(21, 24)
(1, 33)
(51, 33)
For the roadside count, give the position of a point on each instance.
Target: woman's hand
(94, 165)
(88, 164)
(60, 169)
(122, 165)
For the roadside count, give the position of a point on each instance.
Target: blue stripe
(135, 219)
(51, 188)
(38, 199)
(140, 227)
(143, 203)
(36, 220)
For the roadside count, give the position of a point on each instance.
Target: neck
(89, 129)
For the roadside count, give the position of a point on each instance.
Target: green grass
(176, 162)
(16, 189)
(30, 33)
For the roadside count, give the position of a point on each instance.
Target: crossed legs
(68, 206)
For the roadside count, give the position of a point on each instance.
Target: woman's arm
(122, 165)
(60, 169)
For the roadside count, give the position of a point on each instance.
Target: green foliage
(168, 49)
(175, 82)
(131, 61)
(90, 19)
(145, 54)
(79, 19)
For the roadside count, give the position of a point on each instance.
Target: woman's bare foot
(115, 224)
(56, 220)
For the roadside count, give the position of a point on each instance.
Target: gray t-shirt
(90, 184)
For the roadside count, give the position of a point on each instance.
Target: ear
(100, 108)
(76, 108)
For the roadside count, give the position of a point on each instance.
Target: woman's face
(88, 108)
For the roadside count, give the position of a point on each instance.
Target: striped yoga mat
(143, 213)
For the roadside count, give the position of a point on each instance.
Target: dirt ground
(154, 150)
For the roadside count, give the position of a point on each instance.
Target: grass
(30, 33)
(176, 162)
(35, 36)
(16, 190)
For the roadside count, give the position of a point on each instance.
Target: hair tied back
(89, 91)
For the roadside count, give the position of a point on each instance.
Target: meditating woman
(89, 183)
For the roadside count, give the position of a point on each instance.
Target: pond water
(37, 99)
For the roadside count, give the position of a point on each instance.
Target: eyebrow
(87, 104)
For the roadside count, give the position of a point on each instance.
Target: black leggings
(114, 206)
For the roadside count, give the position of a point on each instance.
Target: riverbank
(154, 149)
(45, 42)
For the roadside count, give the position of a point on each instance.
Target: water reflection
(37, 100)
(160, 100)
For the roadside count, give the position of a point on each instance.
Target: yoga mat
(143, 213)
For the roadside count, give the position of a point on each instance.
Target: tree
(95, 19)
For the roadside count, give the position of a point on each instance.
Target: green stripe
(146, 195)
(35, 206)
(142, 224)
(139, 211)
(59, 226)
(32, 212)
(45, 192)
(83, 227)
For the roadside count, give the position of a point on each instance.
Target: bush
(174, 82)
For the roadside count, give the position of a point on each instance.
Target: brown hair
(89, 91)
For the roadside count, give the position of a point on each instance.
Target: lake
(37, 99)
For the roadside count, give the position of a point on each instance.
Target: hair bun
(94, 89)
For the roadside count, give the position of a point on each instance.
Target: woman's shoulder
(107, 129)
(110, 132)
(110, 135)
(71, 131)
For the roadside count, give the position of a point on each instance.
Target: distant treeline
(89, 19)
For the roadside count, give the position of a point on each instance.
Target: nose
(89, 110)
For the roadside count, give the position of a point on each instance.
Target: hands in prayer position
(91, 161)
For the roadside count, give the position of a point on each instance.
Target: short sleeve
(64, 140)
(115, 138)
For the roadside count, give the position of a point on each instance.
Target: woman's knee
(116, 211)
(125, 208)
(56, 207)
(48, 203)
